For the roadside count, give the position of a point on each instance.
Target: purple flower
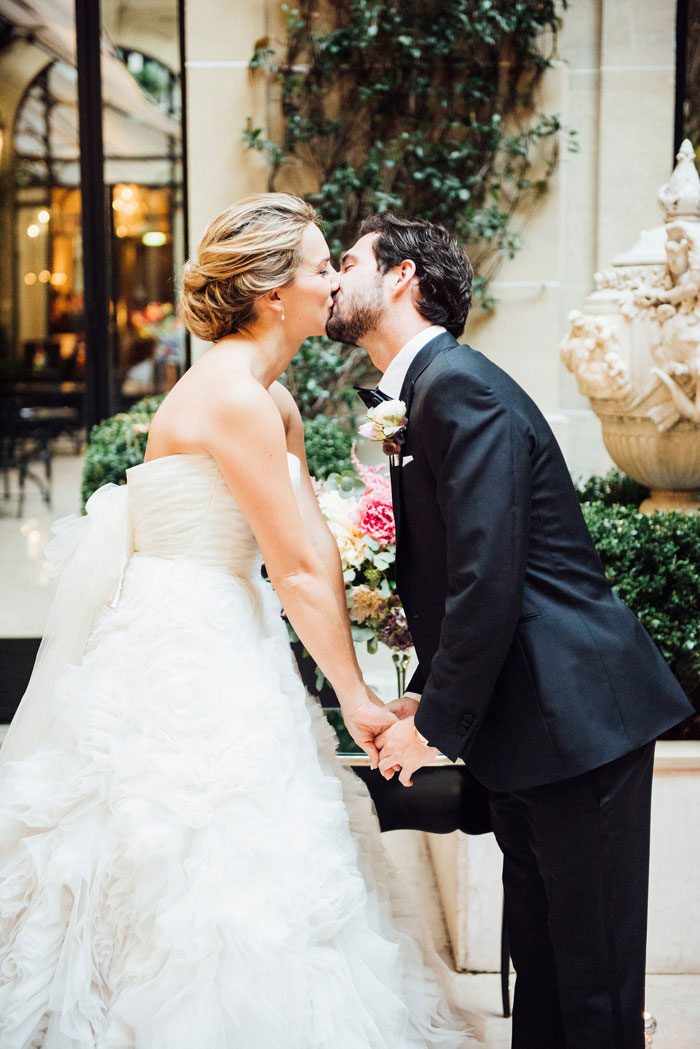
(393, 629)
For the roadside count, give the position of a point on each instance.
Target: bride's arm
(320, 534)
(246, 436)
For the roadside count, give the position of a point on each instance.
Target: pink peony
(375, 517)
(376, 478)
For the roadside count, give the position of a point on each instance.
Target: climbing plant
(426, 107)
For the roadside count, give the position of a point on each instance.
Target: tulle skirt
(184, 864)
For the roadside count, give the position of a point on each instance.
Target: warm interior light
(44, 215)
(45, 276)
(118, 204)
(33, 230)
(30, 278)
(153, 239)
(58, 278)
(127, 193)
(121, 231)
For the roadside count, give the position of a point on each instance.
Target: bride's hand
(367, 720)
(404, 707)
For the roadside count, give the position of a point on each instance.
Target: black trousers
(576, 876)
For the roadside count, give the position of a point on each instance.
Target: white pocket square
(406, 460)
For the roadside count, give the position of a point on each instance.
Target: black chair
(20, 451)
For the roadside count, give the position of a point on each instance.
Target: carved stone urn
(635, 349)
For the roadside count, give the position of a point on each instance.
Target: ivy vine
(426, 107)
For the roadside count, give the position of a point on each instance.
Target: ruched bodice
(181, 506)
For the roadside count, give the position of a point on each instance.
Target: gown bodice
(181, 507)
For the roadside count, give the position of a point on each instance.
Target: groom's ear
(403, 277)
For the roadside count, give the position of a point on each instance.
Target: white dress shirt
(392, 379)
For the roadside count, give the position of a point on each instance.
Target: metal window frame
(100, 395)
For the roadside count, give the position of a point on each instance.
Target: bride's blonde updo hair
(249, 249)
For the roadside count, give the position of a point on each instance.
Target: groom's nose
(335, 281)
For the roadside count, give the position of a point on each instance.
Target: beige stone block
(221, 167)
(579, 182)
(674, 909)
(636, 155)
(537, 220)
(468, 874)
(151, 28)
(521, 336)
(579, 39)
(539, 228)
(580, 438)
(569, 396)
(223, 30)
(638, 33)
(20, 62)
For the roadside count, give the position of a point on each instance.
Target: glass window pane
(43, 345)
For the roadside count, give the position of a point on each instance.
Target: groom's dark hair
(443, 270)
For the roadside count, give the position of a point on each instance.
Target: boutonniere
(387, 423)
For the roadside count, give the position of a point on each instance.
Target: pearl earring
(283, 313)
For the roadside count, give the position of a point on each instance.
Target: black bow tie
(372, 398)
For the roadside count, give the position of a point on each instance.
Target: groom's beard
(350, 323)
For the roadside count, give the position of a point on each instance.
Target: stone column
(221, 94)
(615, 85)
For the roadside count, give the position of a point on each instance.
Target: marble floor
(25, 587)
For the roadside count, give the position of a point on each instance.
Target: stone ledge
(675, 755)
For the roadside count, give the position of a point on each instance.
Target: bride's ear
(271, 300)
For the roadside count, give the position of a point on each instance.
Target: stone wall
(614, 83)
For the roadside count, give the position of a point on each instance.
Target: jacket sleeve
(479, 454)
(417, 682)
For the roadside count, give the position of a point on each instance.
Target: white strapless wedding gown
(184, 863)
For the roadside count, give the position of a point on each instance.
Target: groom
(530, 669)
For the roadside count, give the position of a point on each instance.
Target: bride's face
(308, 299)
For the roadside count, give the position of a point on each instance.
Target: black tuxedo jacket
(530, 668)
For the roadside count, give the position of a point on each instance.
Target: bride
(184, 864)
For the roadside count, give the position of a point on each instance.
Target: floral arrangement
(357, 506)
(159, 321)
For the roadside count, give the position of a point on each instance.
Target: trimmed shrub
(612, 489)
(653, 564)
(328, 447)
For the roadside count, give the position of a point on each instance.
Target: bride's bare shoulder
(207, 402)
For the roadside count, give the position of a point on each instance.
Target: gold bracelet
(421, 738)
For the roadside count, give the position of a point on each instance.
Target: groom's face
(359, 303)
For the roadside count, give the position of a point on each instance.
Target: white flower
(384, 421)
(340, 513)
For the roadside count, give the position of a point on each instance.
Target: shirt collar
(392, 379)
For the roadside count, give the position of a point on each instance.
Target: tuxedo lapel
(418, 365)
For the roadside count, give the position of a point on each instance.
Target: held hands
(368, 720)
(400, 750)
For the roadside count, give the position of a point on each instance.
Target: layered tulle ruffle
(183, 861)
